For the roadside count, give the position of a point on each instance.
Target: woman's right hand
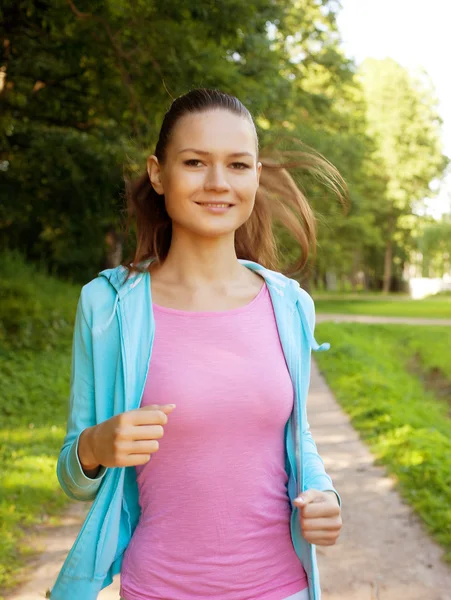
(125, 440)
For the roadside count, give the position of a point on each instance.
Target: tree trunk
(388, 258)
(306, 284)
(355, 269)
(113, 249)
(366, 280)
(316, 279)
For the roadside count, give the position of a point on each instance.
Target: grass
(384, 377)
(36, 322)
(436, 307)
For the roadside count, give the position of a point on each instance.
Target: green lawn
(35, 387)
(36, 322)
(395, 383)
(438, 307)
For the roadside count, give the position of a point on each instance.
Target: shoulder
(272, 278)
(288, 288)
(298, 294)
(305, 298)
(96, 298)
(308, 306)
(293, 286)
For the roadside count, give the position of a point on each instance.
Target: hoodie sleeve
(315, 472)
(81, 414)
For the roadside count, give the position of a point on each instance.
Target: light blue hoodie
(112, 346)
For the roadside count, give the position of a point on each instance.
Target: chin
(211, 228)
(214, 231)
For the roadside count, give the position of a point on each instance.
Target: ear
(259, 171)
(154, 172)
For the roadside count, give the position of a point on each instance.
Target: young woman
(191, 366)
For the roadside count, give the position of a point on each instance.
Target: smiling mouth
(215, 204)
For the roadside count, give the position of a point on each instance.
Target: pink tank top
(215, 514)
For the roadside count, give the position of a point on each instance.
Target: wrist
(332, 493)
(85, 450)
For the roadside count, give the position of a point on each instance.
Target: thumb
(166, 408)
(306, 497)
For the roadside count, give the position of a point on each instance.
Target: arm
(75, 482)
(315, 472)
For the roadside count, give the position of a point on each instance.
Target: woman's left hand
(320, 516)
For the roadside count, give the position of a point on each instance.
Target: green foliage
(434, 244)
(403, 120)
(87, 84)
(36, 320)
(406, 426)
(32, 416)
(432, 349)
(86, 87)
(36, 312)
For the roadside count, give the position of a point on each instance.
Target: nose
(216, 179)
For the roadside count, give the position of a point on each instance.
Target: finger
(125, 448)
(319, 510)
(148, 417)
(166, 408)
(142, 432)
(144, 447)
(136, 459)
(321, 524)
(321, 538)
(308, 496)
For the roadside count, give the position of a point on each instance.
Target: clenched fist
(320, 516)
(125, 440)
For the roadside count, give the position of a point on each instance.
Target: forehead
(216, 131)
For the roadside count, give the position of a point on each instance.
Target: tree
(87, 83)
(435, 247)
(404, 123)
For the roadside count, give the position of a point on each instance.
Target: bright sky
(415, 33)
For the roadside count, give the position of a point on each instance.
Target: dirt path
(383, 552)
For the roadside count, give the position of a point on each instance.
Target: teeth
(217, 205)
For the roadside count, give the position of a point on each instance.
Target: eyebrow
(203, 152)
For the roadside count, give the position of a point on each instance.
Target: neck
(195, 262)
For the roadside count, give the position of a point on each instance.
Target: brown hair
(278, 198)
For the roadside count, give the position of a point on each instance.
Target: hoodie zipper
(298, 447)
(124, 355)
(152, 337)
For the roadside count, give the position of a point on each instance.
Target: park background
(83, 89)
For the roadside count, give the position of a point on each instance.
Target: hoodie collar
(277, 282)
(284, 286)
(117, 278)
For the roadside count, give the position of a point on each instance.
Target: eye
(192, 162)
(240, 165)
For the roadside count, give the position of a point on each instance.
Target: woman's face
(210, 173)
